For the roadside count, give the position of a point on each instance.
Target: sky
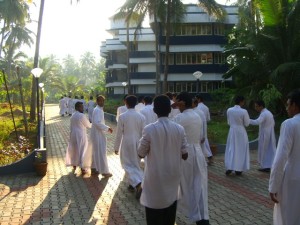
(75, 28)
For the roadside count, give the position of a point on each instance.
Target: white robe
(194, 201)
(120, 110)
(78, 153)
(163, 143)
(129, 131)
(266, 138)
(149, 114)
(139, 107)
(285, 173)
(98, 140)
(70, 106)
(90, 108)
(237, 156)
(205, 110)
(62, 106)
(205, 145)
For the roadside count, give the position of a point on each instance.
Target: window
(219, 58)
(171, 59)
(193, 58)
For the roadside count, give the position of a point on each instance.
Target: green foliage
(111, 105)
(270, 96)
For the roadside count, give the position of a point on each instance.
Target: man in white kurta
(203, 107)
(70, 106)
(204, 140)
(62, 106)
(237, 156)
(140, 104)
(98, 139)
(90, 108)
(164, 144)
(194, 201)
(129, 131)
(266, 137)
(78, 153)
(284, 184)
(121, 109)
(147, 111)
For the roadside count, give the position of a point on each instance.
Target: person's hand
(274, 197)
(110, 130)
(116, 152)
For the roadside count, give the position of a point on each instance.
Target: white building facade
(196, 45)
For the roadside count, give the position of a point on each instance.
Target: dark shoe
(228, 172)
(266, 170)
(94, 172)
(138, 191)
(106, 175)
(130, 188)
(202, 222)
(210, 160)
(238, 173)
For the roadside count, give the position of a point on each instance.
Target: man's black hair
(294, 97)
(77, 104)
(148, 100)
(186, 97)
(131, 101)
(238, 99)
(260, 103)
(162, 105)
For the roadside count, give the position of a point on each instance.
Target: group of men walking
(170, 135)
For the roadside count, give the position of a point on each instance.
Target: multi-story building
(195, 45)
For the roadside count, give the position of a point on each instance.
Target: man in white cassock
(203, 107)
(140, 104)
(147, 111)
(237, 157)
(284, 183)
(194, 201)
(266, 137)
(121, 109)
(98, 140)
(78, 153)
(204, 140)
(164, 144)
(129, 131)
(90, 108)
(62, 106)
(70, 106)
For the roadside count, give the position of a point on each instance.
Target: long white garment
(205, 145)
(90, 108)
(266, 138)
(194, 201)
(237, 155)
(120, 110)
(62, 106)
(163, 144)
(149, 114)
(174, 111)
(70, 106)
(129, 131)
(78, 153)
(139, 107)
(204, 109)
(98, 139)
(66, 106)
(285, 173)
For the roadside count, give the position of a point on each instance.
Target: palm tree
(87, 65)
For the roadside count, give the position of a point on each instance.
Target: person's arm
(97, 121)
(246, 119)
(144, 144)
(184, 145)
(259, 120)
(284, 148)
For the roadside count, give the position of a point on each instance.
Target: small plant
(39, 158)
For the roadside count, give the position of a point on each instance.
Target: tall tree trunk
(36, 62)
(22, 102)
(167, 28)
(157, 53)
(2, 36)
(128, 54)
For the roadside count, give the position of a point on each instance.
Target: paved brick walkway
(63, 198)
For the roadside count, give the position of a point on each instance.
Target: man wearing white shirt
(98, 139)
(90, 108)
(284, 183)
(194, 201)
(237, 156)
(203, 107)
(78, 153)
(164, 144)
(140, 104)
(266, 137)
(121, 109)
(147, 111)
(129, 131)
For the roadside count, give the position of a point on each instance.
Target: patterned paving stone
(65, 198)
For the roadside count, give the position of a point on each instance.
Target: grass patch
(11, 148)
